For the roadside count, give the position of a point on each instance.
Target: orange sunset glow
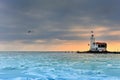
(62, 46)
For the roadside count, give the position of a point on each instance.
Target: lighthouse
(97, 46)
(92, 41)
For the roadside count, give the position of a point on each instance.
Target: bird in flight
(29, 31)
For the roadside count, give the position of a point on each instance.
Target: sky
(58, 25)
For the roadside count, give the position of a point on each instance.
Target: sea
(25, 65)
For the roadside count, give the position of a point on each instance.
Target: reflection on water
(58, 66)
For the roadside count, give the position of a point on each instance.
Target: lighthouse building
(97, 46)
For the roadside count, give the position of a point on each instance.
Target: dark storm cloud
(53, 19)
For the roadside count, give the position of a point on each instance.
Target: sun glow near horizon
(62, 46)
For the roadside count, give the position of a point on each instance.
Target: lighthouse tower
(92, 42)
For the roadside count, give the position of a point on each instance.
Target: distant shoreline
(79, 52)
(97, 52)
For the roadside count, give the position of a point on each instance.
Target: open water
(58, 66)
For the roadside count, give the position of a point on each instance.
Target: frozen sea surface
(58, 66)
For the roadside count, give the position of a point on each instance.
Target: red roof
(100, 43)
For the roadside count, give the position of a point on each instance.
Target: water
(58, 66)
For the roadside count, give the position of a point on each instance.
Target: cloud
(51, 20)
